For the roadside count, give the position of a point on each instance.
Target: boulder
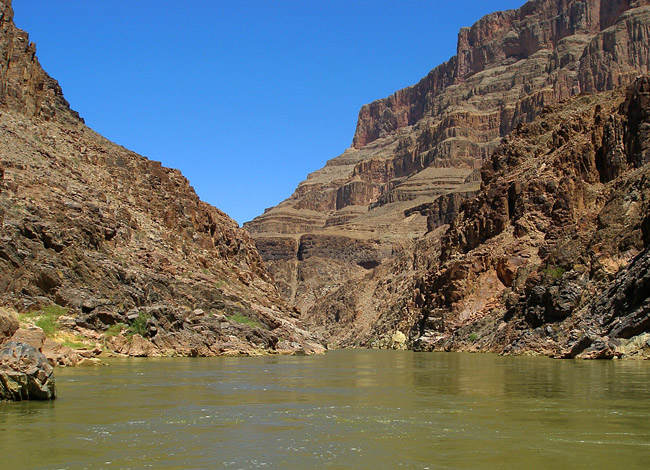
(56, 354)
(135, 346)
(398, 340)
(25, 374)
(60, 355)
(8, 325)
(31, 335)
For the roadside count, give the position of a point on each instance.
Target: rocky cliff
(107, 241)
(551, 256)
(416, 156)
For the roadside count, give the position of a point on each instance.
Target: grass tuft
(115, 329)
(46, 318)
(244, 320)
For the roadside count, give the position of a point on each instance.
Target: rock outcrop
(116, 241)
(8, 325)
(415, 154)
(25, 374)
(551, 256)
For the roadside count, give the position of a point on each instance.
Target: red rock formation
(503, 38)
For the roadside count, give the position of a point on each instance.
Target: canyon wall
(551, 256)
(417, 154)
(112, 238)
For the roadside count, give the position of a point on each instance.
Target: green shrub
(46, 318)
(48, 324)
(139, 325)
(55, 310)
(473, 337)
(554, 272)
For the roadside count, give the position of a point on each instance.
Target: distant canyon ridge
(386, 237)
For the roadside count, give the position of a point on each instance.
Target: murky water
(344, 410)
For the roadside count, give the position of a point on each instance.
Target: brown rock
(579, 264)
(505, 272)
(110, 235)
(32, 335)
(25, 86)
(25, 374)
(8, 324)
(60, 355)
(134, 345)
(415, 154)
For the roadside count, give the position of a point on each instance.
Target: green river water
(349, 409)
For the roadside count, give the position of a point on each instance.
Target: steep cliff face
(561, 226)
(556, 31)
(416, 154)
(117, 239)
(551, 256)
(25, 86)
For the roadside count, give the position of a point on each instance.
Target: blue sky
(244, 97)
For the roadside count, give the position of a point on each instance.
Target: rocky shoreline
(28, 356)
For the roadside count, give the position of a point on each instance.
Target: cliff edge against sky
(116, 241)
(361, 231)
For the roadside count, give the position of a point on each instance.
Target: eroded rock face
(25, 86)
(25, 374)
(605, 42)
(549, 257)
(113, 237)
(415, 154)
(623, 309)
(566, 220)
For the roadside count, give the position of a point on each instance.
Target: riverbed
(347, 409)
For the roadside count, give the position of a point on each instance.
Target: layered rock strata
(551, 256)
(415, 154)
(116, 241)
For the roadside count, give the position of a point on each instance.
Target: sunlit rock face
(116, 238)
(380, 209)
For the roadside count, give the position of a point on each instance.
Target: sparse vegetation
(74, 344)
(55, 310)
(139, 325)
(473, 337)
(48, 324)
(244, 320)
(46, 318)
(554, 272)
(115, 329)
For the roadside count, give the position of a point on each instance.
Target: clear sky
(245, 97)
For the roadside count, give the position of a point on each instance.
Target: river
(348, 409)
